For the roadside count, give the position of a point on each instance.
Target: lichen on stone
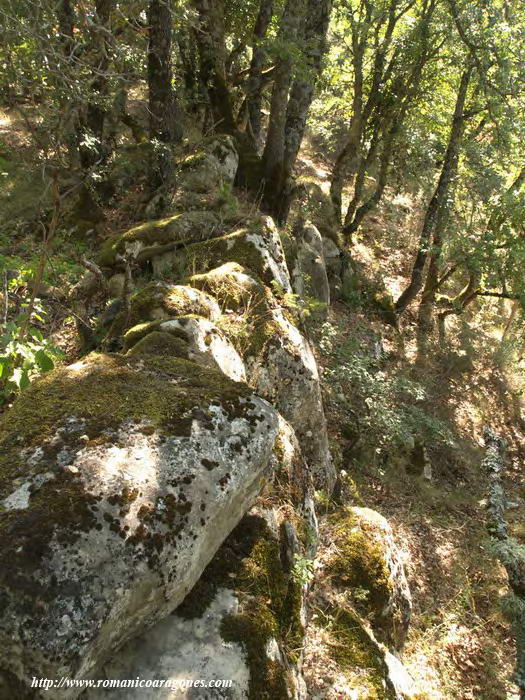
(183, 227)
(270, 600)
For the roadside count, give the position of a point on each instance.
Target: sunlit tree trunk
(291, 100)
(436, 214)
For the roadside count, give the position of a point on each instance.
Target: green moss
(355, 652)
(159, 343)
(359, 564)
(158, 300)
(186, 226)
(384, 303)
(105, 390)
(142, 330)
(234, 247)
(250, 563)
(253, 629)
(233, 286)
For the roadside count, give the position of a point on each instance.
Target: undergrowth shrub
(24, 351)
(390, 408)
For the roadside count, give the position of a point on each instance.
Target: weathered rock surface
(363, 556)
(309, 277)
(120, 478)
(178, 649)
(152, 238)
(123, 476)
(204, 343)
(257, 247)
(245, 618)
(280, 365)
(344, 659)
(211, 167)
(159, 300)
(285, 372)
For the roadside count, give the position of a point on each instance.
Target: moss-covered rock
(142, 242)
(208, 166)
(269, 623)
(119, 478)
(308, 271)
(256, 247)
(205, 343)
(316, 205)
(247, 606)
(363, 558)
(357, 654)
(160, 300)
(160, 343)
(234, 288)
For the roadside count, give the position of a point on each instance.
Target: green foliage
(389, 408)
(23, 359)
(303, 570)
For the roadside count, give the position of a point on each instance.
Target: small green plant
(24, 356)
(303, 570)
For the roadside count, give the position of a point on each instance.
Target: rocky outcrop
(157, 511)
(308, 270)
(200, 341)
(344, 659)
(246, 617)
(120, 478)
(256, 246)
(364, 560)
(280, 365)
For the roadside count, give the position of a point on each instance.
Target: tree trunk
(347, 160)
(255, 82)
(66, 24)
(351, 161)
(96, 110)
(187, 53)
(164, 116)
(290, 111)
(212, 54)
(302, 92)
(390, 119)
(273, 154)
(436, 214)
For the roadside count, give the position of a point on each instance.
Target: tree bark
(66, 25)
(436, 214)
(291, 101)
(212, 54)
(164, 115)
(273, 154)
(255, 82)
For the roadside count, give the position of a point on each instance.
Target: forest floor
(459, 645)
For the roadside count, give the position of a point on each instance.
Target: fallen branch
(95, 269)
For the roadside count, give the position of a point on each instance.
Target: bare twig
(6, 299)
